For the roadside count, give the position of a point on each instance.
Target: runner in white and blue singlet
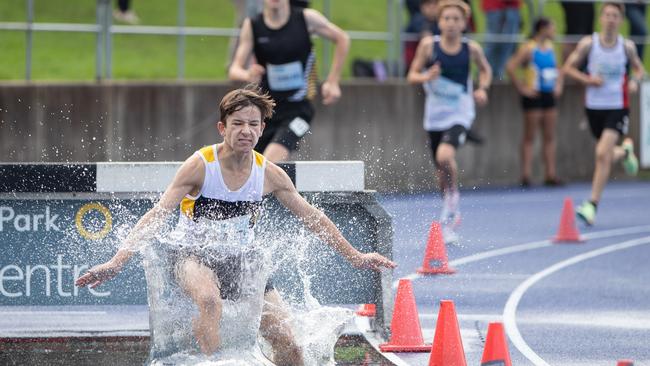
(442, 64)
(608, 56)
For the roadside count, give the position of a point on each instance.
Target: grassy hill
(71, 56)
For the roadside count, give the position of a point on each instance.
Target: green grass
(71, 56)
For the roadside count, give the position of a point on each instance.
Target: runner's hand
(255, 72)
(374, 261)
(594, 80)
(480, 96)
(633, 86)
(434, 71)
(331, 92)
(557, 91)
(98, 275)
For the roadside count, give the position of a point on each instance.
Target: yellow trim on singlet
(187, 207)
(259, 158)
(208, 153)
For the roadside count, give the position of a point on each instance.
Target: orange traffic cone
(406, 334)
(625, 363)
(447, 347)
(367, 310)
(496, 347)
(568, 231)
(435, 256)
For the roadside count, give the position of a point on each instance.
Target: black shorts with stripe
(290, 122)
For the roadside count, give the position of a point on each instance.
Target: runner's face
(242, 129)
(610, 18)
(452, 21)
(549, 31)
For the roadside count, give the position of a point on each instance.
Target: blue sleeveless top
(543, 69)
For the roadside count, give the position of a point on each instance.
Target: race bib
(446, 92)
(610, 72)
(285, 77)
(549, 75)
(299, 126)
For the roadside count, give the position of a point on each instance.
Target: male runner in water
(608, 56)
(225, 182)
(280, 40)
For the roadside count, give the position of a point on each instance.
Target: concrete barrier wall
(377, 123)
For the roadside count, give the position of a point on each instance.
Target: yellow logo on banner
(93, 235)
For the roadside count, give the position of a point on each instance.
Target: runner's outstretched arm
(188, 178)
(280, 185)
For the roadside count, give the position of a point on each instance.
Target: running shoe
(587, 213)
(630, 162)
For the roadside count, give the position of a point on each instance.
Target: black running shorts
(615, 119)
(543, 101)
(290, 122)
(454, 136)
(227, 269)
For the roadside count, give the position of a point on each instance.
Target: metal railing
(105, 29)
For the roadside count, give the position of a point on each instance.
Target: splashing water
(231, 244)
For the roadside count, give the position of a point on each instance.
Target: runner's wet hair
(250, 95)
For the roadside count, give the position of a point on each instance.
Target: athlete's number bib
(610, 72)
(549, 75)
(446, 93)
(285, 77)
(299, 126)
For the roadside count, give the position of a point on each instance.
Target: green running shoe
(630, 162)
(587, 213)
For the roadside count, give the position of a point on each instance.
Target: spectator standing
(442, 65)
(503, 18)
(635, 13)
(578, 21)
(423, 23)
(124, 13)
(541, 85)
(609, 56)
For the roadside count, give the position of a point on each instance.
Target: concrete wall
(377, 123)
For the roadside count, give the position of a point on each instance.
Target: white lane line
(532, 245)
(503, 251)
(509, 311)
